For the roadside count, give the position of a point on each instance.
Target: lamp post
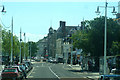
(29, 43)
(30, 51)
(11, 59)
(20, 47)
(105, 30)
(24, 45)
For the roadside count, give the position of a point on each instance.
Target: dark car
(11, 74)
(60, 60)
(44, 60)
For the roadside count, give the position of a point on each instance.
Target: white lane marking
(33, 72)
(54, 73)
(30, 76)
(30, 72)
(42, 64)
(37, 66)
(63, 66)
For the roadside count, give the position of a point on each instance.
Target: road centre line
(54, 73)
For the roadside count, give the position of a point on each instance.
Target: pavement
(89, 74)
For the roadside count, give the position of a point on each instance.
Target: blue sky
(35, 18)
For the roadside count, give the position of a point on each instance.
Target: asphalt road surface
(51, 71)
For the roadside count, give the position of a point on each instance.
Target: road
(50, 71)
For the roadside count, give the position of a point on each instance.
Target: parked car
(29, 65)
(11, 74)
(55, 61)
(44, 60)
(50, 60)
(19, 70)
(23, 66)
(60, 60)
(38, 60)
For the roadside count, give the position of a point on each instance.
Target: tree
(96, 36)
(0, 39)
(92, 39)
(16, 44)
(6, 44)
(34, 48)
(80, 41)
(115, 48)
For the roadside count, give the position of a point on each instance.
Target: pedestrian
(24, 72)
(109, 61)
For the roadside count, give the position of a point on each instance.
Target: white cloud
(59, 0)
(31, 37)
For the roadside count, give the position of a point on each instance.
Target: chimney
(62, 23)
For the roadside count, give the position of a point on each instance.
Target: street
(43, 70)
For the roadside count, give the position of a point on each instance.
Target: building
(66, 50)
(63, 42)
(42, 46)
(51, 42)
(59, 48)
(57, 42)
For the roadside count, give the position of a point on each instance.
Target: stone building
(42, 47)
(51, 43)
(59, 47)
(63, 42)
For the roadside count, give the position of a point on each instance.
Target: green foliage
(6, 44)
(92, 39)
(34, 48)
(80, 41)
(0, 39)
(16, 45)
(115, 49)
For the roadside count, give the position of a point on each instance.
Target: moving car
(11, 74)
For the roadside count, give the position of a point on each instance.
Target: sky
(36, 17)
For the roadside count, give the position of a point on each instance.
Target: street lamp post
(11, 60)
(30, 51)
(105, 35)
(20, 47)
(24, 46)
